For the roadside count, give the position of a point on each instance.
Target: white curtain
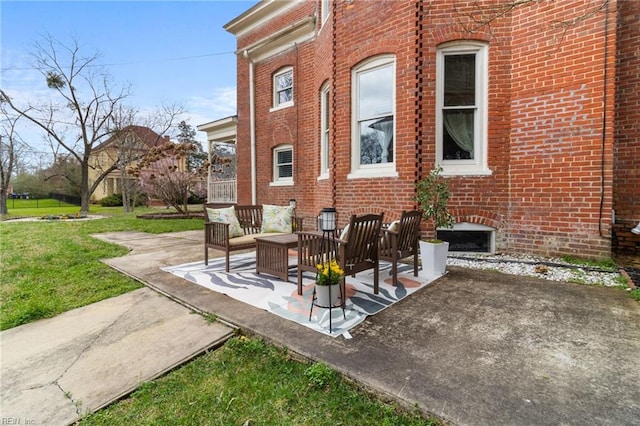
(385, 127)
(460, 127)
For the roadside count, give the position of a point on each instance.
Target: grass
(248, 382)
(607, 264)
(50, 207)
(49, 267)
(32, 204)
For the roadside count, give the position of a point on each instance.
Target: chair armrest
(297, 223)
(384, 232)
(388, 241)
(216, 233)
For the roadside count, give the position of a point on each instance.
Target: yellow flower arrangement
(329, 273)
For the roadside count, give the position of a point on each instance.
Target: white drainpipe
(252, 126)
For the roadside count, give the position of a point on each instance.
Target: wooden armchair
(356, 252)
(401, 241)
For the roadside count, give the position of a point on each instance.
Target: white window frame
(371, 170)
(277, 180)
(325, 10)
(477, 165)
(324, 132)
(276, 99)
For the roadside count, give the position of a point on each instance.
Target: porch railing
(222, 191)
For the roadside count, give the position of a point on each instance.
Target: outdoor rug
(281, 298)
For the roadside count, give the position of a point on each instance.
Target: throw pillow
(345, 233)
(384, 241)
(226, 215)
(276, 218)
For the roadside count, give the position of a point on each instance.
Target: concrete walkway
(56, 370)
(475, 347)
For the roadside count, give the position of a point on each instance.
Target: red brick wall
(560, 165)
(475, 199)
(626, 180)
(549, 191)
(366, 29)
(284, 126)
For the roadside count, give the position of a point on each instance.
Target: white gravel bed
(546, 268)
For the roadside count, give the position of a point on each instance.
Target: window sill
(324, 176)
(282, 183)
(372, 174)
(465, 171)
(281, 106)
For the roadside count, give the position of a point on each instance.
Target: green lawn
(20, 208)
(47, 203)
(49, 267)
(248, 382)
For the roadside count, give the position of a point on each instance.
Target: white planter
(434, 257)
(327, 295)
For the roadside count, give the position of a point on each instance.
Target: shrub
(115, 200)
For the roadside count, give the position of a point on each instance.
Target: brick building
(533, 112)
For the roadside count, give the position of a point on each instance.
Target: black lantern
(328, 219)
(292, 203)
(328, 225)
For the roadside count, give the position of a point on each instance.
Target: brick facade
(626, 177)
(562, 136)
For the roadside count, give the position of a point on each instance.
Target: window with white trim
(373, 150)
(324, 131)
(283, 164)
(283, 88)
(461, 105)
(326, 9)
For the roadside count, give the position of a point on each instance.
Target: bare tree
(129, 147)
(131, 138)
(11, 148)
(83, 103)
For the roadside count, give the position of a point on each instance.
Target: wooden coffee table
(272, 254)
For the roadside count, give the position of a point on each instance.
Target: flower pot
(327, 295)
(434, 257)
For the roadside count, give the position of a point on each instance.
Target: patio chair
(355, 251)
(400, 241)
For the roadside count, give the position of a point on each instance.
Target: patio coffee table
(272, 254)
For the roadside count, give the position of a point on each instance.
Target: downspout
(604, 126)
(252, 130)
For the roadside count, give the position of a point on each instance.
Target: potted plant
(432, 195)
(328, 283)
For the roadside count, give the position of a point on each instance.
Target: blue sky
(168, 51)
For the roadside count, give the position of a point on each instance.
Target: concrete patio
(475, 347)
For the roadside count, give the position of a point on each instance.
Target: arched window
(324, 131)
(373, 112)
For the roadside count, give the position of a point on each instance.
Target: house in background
(532, 112)
(124, 147)
(221, 140)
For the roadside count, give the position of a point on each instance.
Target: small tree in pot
(432, 195)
